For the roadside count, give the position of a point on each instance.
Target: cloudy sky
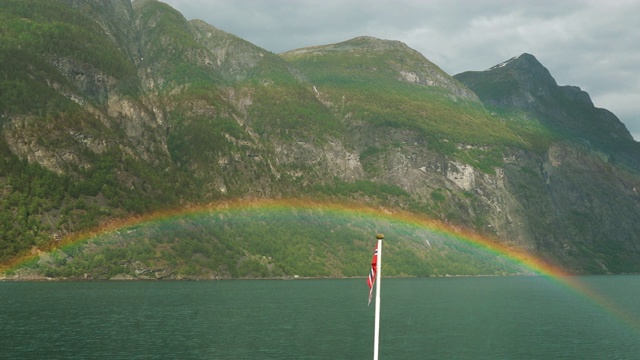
(593, 44)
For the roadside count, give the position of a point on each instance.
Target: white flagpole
(376, 335)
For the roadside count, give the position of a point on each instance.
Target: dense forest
(263, 241)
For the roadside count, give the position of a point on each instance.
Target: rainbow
(517, 256)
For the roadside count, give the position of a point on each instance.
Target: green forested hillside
(266, 242)
(48, 51)
(113, 110)
(364, 78)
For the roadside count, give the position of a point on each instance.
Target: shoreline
(34, 278)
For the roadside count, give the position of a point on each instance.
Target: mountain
(522, 88)
(591, 162)
(113, 110)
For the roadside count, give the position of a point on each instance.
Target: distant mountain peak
(527, 70)
(527, 67)
(502, 64)
(370, 41)
(356, 44)
(524, 59)
(391, 57)
(523, 83)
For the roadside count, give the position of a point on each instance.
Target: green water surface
(432, 318)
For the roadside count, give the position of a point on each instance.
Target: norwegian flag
(372, 273)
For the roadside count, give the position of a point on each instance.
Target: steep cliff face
(137, 109)
(408, 134)
(578, 201)
(92, 94)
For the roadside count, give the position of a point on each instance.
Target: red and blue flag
(372, 273)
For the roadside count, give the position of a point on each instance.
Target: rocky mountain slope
(587, 173)
(114, 109)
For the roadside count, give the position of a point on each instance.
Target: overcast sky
(591, 44)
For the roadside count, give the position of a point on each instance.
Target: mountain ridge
(526, 84)
(412, 68)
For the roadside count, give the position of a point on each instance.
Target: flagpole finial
(380, 236)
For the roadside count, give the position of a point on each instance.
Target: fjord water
(434, 318)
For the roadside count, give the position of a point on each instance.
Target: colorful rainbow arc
(512, 254)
